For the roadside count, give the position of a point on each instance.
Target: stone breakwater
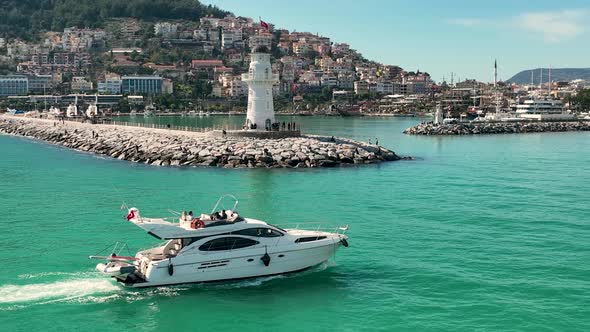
(475, 128)
(163, 147)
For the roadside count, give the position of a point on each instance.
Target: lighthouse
(260, 80)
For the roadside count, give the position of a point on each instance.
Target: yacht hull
(221, 267)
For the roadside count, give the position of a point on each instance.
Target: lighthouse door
(267, 124)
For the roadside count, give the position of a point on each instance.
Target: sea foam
(60, 290)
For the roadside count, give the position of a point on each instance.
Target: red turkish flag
(130, 215)
(264, 24)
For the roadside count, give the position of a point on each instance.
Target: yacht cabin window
(259, 232)
(227, 243)
(309, 239)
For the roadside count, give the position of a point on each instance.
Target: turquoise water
(478, 233)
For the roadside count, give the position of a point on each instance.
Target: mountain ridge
(557, 74)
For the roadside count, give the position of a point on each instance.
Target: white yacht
(149, 110)
(542, 109)
(219, 246)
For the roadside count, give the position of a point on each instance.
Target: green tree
(581, 100)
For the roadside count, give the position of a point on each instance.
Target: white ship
(542, 109)
(219, 246)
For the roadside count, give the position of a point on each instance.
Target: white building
(361, 87)
(329, 81)
(79, 83)
(165, 29)
(230, 37)
(260, 80)
(109, 86)
(237, 89)
(263, 39)
(301, 48)
(200, 34)
(385, 87)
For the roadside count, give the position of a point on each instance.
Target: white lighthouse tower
(260, 80)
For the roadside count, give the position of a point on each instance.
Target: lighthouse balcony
(261, 77)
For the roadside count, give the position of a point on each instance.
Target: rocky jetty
(163, 147)
(475, 128)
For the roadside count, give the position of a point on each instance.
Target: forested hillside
(25, 18)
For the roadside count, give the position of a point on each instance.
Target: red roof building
(206, 64)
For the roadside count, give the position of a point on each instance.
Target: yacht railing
(220, 201)
(115, 248)
(311, 226)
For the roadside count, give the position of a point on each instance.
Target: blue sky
(440, 37)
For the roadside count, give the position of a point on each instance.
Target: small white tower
(438, 115)
(72, 110)
(260, 80)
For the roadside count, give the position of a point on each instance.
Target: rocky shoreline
(479, 128)
(163, 147)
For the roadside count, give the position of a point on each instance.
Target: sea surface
(478, 233)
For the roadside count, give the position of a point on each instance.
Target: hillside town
(181, 66)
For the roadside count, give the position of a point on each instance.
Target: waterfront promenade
(165, 147)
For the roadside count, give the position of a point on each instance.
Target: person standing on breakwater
(369, 141)
(376, 141)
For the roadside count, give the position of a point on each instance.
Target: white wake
(59, 290)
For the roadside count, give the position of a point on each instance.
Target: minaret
(495, 73)
(260, 80)
(549, 80)
(496, 87)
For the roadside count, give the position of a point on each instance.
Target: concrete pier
(164, 147)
